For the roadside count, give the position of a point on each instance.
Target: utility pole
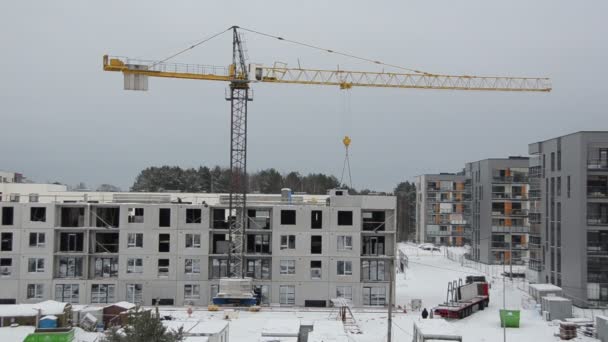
(389, 331)
(510, 255)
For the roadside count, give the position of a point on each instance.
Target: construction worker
(425, 314)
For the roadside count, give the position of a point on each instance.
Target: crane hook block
(346, 141)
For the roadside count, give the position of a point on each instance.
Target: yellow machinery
(240, 76)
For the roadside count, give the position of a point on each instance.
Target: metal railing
(597, 220)
(510, 179)
(597, 164)
(510, 229)
(518, 212)
(597, 191)
(503, 195)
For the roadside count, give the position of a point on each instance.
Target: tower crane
(240, 76)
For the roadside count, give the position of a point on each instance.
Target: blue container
(47, 323)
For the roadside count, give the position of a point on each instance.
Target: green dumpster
(509, 318)
(51, 335)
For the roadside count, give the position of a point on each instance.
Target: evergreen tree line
(217, 180)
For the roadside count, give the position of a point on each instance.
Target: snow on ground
(426, 278)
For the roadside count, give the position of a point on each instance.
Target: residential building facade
(574, 214)
(440, 209)
(499, 210)
(172, 249)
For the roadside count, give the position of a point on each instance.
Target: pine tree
(143, 326)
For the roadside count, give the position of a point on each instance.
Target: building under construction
(172, 249)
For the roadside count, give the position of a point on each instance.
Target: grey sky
(63, 118)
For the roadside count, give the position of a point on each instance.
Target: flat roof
(545, 287)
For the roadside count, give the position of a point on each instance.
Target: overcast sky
(64, 119)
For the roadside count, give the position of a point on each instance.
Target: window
(193, 216)
(558, 189)
(135, 240)
(344, 292)
(372, 270)
(67, 293)
(72, 217)
(7, 216)
(70, 267)
(34, 291)
(288, 267)
(568, 187)
(345, 243)
(287, 294)
(219, 268)
(71, 242)
(192, 266)
(258, 269)
(164, 217)
(213, 290)
(6, 267)
(164, 243)
(136, 215)
(345, 268)
(193, 240)
(374, 296)
(192, 291)
(38, 214)
(288, 217)
(6, 243)
(37, 240)
(316, 219)
(316, 244)
(103, 293)
(345, 218)
(163, 267)
(552, 161)
(559, 160)
(315, 269)
(35, 265)
(106, 217)
(288, 242)
(106, 267)
(544, 164)
(259, 243)
(135, 293)
(135, 265)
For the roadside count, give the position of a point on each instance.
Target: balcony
(597, 191)
(510, 179)
(597, 220)
(597, 164)
(509, 196)
(511, 229)
(514, 212)
(505, 245)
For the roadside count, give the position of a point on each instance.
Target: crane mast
(237, 207)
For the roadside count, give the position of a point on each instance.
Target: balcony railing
(515, 212)
(599, 220)
(597, 164)
(510, 179)
(508, 196)
(597, 191)
(510, 229)
(505, 245)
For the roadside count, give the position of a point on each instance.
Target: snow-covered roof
(556, 299)
(329, 327)
(281, 327)
(175, 325)
(278, 339)
(51, 317)
(545, 287)
(321, 337)
(15, 333)
(49, 307)
(124, 305)
(196, 339)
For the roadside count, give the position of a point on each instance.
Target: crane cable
(345, 54)
(190, 47)
(345, 123)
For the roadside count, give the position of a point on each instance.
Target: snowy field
(426, 278)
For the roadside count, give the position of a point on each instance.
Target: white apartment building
(172, 248)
